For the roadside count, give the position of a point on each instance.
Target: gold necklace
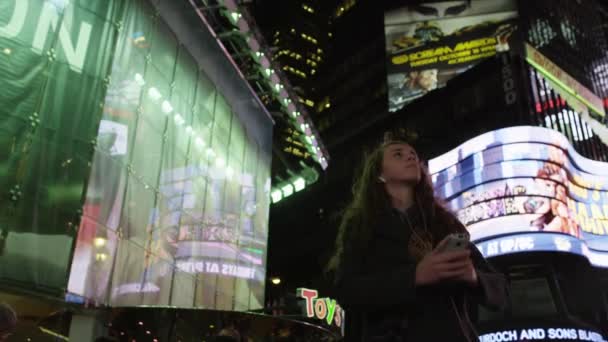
(419, 244)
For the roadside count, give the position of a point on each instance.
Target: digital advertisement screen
(556, 332)
(526, 180)
(429, 43)
(120, 146)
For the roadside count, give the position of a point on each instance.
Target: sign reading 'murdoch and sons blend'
(542, 334)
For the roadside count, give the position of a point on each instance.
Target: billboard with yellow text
(430, 43)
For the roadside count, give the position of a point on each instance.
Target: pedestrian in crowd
(8, 321)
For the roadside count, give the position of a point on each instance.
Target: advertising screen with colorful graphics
(137, 170)
(525, 181)
(429, 43)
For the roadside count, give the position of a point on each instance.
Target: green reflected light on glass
(210, 153)
(229, 172)
(154, 94)
(199, 142)
(235, 16)
(287, 190)
(276, 195)
(179, 119)
(299, 184)
(166, 107)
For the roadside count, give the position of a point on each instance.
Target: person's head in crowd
(8, 321)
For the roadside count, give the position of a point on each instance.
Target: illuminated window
(319, 51)
(309, 103)
(308, 38)
(344, 7)
(313, 71)
(293, 30)
(308, 8)
(324, 104)
(297, 72)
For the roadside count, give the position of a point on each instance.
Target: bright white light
(139, 79)
(299, 184)
(189, 129)
(199, 142)
(210, 153)
(235, 16)
(154, 94)
(276, 195)
(100, 242)
(276, 280)
(179, 119)
(220, 162)
(287, 190)
(229, 172)
(166, 107)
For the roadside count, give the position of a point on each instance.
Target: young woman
(391, 277)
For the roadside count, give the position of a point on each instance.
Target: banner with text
(428, 44)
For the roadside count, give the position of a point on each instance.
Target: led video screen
(524, 180)
(429, 43)
(135, 176)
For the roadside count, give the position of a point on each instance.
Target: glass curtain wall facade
(129, 178)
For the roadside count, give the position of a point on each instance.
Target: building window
(308, 8)
(308, 38)
(295, 71)
(344, 7)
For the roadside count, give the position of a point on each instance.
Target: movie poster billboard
(430, 43)
(524, 180)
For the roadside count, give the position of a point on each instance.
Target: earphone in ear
(382, 179)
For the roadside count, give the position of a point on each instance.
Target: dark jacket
(376, 288)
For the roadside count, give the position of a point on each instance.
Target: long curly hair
(370, 201)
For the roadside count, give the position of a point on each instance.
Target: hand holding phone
(450, 260)
(454, 242)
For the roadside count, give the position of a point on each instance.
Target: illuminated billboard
(429, 43)
(526, 181)
(126, 153)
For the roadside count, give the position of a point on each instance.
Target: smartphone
(456, 242)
